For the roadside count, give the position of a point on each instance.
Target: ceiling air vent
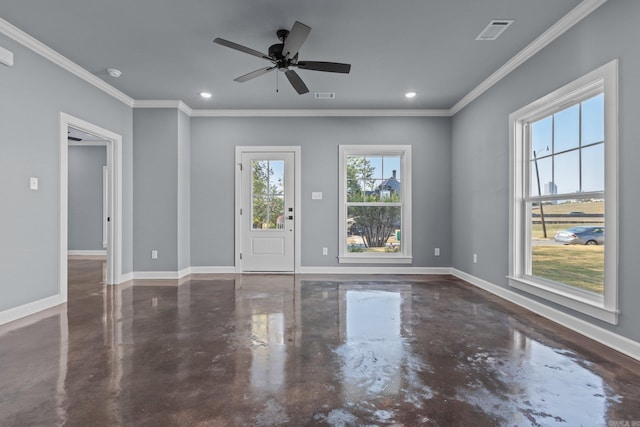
(324, 95)
(494, 29)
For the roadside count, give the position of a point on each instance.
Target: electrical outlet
(475, 258)
(325, 251)
(436, 251)
(154, 254)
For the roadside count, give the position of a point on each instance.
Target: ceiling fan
(284, 56)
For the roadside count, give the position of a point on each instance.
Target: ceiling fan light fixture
(206, 95)
(410, 95)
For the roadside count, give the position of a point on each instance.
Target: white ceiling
(165, 52)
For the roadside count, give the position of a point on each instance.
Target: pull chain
(277, 80)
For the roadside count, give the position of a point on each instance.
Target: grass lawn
(575, 265)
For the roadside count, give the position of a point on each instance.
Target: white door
(267, 211)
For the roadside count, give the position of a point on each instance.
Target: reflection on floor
(272, 350)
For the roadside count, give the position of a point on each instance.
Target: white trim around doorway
(114, 163)
(296, 150)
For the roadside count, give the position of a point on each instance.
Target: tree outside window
(268, 194)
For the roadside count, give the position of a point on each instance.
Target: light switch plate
(33, 183)
(316, 195)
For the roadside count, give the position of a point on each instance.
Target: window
(375, 204)
(563, 196)
(267, 198)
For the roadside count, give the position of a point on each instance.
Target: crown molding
(556, 30)
(578, 13)
(45, 51)
(320, 113)
(164, 103)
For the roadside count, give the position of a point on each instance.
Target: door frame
(114, 233)
(297, 175)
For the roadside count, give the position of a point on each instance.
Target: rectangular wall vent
(494, 29)
(324, 95)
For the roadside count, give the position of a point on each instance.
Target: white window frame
(405, 255)
(603, 307)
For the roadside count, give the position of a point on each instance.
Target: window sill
(593, 307)
(377, 259)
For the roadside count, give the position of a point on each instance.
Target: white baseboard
(28, 309)
(161, 275)
(126, 277)
(375, 270)
(87, 252)
(213, 270)
(610, 339)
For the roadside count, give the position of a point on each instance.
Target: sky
(562, 132)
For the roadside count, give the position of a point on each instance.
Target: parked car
(581, 235)
(354, 230)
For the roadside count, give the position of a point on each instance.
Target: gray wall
(33, 93)
(161, 187)
(480, 150)
(213, 142)
(86, 197)
(155, 185)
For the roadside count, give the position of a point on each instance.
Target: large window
(563, 189)
(375, 204)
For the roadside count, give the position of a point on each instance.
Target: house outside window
(563, 196)
(375, 204)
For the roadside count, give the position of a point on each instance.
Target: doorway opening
(73, 132)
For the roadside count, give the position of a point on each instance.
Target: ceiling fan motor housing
(275, 51)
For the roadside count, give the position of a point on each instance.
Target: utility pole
(544, 226)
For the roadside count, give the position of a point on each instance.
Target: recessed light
(206, 95)
(410, 95)
(113, 72)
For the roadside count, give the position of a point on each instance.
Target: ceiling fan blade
(253, 74)
(295, 39)
(296, 82)
(241, 48)
(332, 67)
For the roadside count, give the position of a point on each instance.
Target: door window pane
(267, 207)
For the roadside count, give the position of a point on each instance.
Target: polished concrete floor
(263, 350)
